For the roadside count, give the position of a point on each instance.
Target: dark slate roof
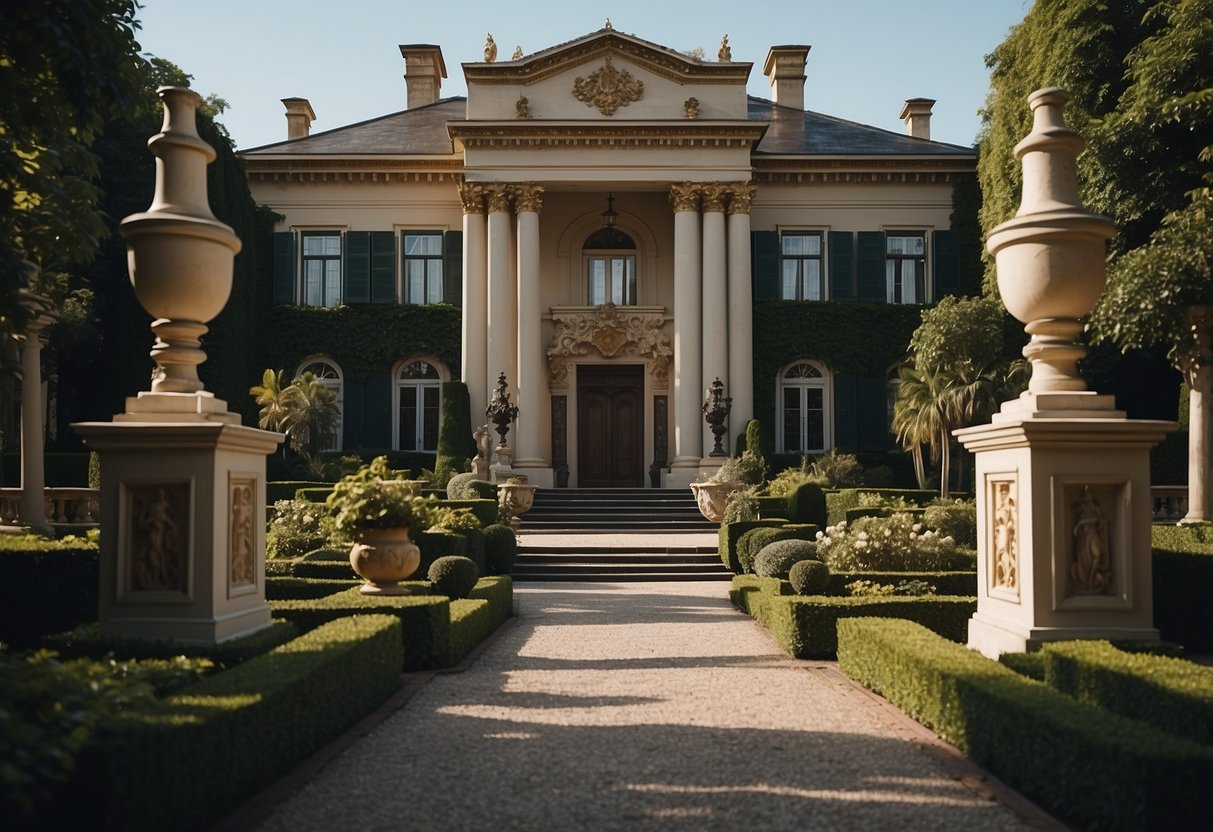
(423, 132)
(824, 135)
(417, 132)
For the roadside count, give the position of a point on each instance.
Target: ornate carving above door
(611, 331)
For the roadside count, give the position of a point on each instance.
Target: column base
(993, 637)
(537, 472)
(681, 476)
(185, 630)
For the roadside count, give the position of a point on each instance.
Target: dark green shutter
(846, 427)
(452, 268)
(871, 414)
(352, 415)
(842, 265)
(764, 247)
(383, 266)
(377, 411)
(946, 250)
(283, 283)
(870, 266)
(357, 267)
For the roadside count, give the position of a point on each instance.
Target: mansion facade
(618, 225)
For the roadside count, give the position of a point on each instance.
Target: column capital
(471, 195)
(713, 195)
(685, 197)
(741, 198)
(499, 199)
(528, 197)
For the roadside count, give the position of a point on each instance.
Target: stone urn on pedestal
(501, 413)
(516, 497)
(379, 512)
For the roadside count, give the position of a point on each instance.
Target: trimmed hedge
(730, 533)
(45, 587)
(87, 641)
(806, 626)
(285, 588)
(839, 502)
(1173, 695)
(751, 542)
(807, 504)
(1183, 585)
(945, 583)
(1090, 767)
(192, 760)
(287, 489)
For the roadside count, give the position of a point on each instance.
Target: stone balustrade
(1170, 502)
(76, 507)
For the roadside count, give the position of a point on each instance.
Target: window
(418, 392)
(804, 425)
(906, 267)
(328, 374)
(422, 268)
(801, 277)
(322, 269)
(610, 268)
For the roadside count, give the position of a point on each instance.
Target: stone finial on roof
(726, 52)
(490, 49)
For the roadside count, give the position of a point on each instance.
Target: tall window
(322, 269)
(418, 398)
(422, 268)
(610, 268)
(328, 374)
(804, 409)
(801, 265)
(906, 266)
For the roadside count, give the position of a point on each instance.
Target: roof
(793, 133)
(420, 131)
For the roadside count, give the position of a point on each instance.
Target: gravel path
(643, 706)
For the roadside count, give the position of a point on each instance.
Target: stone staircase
(616, 534)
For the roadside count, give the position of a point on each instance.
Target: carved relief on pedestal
(1004, 542)
(242, 545)
(158, 535)
(610, 332)
(608, 88)
(1090, 571)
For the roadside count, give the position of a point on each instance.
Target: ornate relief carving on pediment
(612, 331)
(608, 88)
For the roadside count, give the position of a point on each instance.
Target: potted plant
(516, 497)
(379, 511)
(736, 473)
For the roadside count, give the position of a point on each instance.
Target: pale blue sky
(867, 56)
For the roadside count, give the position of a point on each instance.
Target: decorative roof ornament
(517, 56)
(608, 88)
(726, 52)
(490, 49)
(608, 26)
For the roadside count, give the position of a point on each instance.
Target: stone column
(715, 310)
(532, 363)
(688, 430)
(475, 373)
(1199, 375)
(741, 311)
(33, 472)
(501, 342)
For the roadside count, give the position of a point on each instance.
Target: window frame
(819, 258)
(336, 383)
(894, 287)
(785, 387)
(324, 258)
(626, 256)
(420, 385)
(430, 281)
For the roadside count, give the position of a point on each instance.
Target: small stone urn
(516, 498)
(383, 558)
(712, 497)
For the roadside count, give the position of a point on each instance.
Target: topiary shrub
(500, 549)
(456, 447)
(753, 439)
(776, 559)
(809, 577)
(453, 576)
(953, 518)
(467, 487)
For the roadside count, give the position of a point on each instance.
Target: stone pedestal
(1064, 516)
(182, 509)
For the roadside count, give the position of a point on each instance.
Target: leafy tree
(305, 410)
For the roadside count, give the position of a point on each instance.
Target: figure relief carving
(471, 196)
(725, 53)
(243, 543)
(499, 199)
(608, 88)
(158, 540)
(522, 107)
(713, 195)
(528, 197)
(1091, 568)
(1005, 572)
(690, 107)
(490, 49)
(685, 196)
(610, 334)
(741, 197)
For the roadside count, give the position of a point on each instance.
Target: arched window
(804, 408)
(418, 400)
(327, 373)
(610, 268)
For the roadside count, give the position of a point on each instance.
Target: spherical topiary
(500, 549)
(775, 559)
(454, 576)
(751, 542)
(809, 577)
(467, 487)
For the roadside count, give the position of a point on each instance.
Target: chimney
(784, 68)
(917, 116)
(424, 70)
(299, 117)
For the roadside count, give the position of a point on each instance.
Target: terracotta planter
(712, 497)
(516, 498)
(383, 558)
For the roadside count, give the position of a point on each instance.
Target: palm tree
(311, 417)
(273, 400)
(913, 418)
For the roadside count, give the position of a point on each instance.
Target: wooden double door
(610, 426)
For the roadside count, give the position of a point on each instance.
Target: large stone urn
(383, 558)
(516, 498)
(712, 497)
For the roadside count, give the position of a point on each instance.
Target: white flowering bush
(893, 544)
(297, 527)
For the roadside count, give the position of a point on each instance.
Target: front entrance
(610, 425)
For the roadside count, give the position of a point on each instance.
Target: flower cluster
(895, 544)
